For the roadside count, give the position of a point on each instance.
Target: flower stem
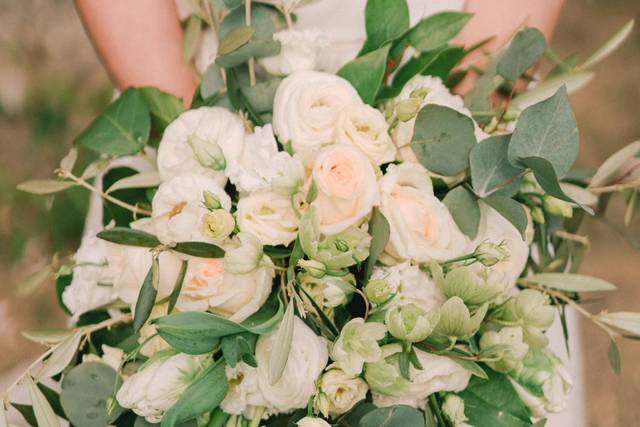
(257, 417)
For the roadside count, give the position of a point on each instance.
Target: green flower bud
(537, 214)
(489, 254)
(313, 268)
(408, 109)
(419, 93)
(557, 207)
(411, 323)
(453, 409)
(507, 345)
(378, 291)
(208, 153)
(384, 376)
(472, 286)
(531, 310)
(456, 322)
(218, 224)
(211, 202)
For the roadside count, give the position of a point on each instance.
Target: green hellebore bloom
(384, 376)
(456, 322)
(473, 287)
(507, 345)
(531, 310)
(411, 323)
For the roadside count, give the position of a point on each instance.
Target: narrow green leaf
(235, 38)
(147, 296)
(614, 357)
(69, 160)
(122, 129)
(524, 51)
(47, 336)
(625, 320)
(43, 412)
(379, 230)
(464, 208)
(280, 352)
(472, 367)
(547, 130)
(613, 165)
(366, 73)
(44, 186)
(490, 167)
(199, 249)
(415, 65)
(573, 81)
(447, 59)
(257, 48)
(129, 237)
(443, 139)
(611, 45)
(61, 357)
(510, 209)
(191, 38)
(175, 294)
(437, 30)
(139, 180)
(385, 21)
(239, 347)
(571, 282)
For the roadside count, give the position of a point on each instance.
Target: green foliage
(366, 73)
(212, 81)
(510, 209)
(147, 296)
(571, 282)
(379, 230)
(239, 347)
(443, 139)
(464, 208)
(122, 129)
(282, 345)
(437, 30)
(525, 50)
(614, 357)
(490, 167)
(393, 416)
(175, 293)
(129, 237)
(385, 21)
(199, 249)
(164, 107)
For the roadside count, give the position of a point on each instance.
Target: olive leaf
(61, 356)
(282, 345)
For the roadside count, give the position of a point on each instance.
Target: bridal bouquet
(309, 249)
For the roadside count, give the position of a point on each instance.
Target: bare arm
(140, 43)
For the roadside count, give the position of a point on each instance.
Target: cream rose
(346, 184)
(197, 134)
(422, 228)
(298, 52)
(269, 216)
(312, 422)
(366, 128)
(179, 210)
(306, 107)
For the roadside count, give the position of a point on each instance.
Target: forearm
(139, 43)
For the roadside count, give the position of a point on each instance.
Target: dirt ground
(51, 85)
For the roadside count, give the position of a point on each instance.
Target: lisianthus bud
(357, 344)
(313, 268)
(556, 206)
(218, 224)
(407, 109)
(411, 323)
(489, 254)
(341, 391)
(453, 409)
(246, 256)
(456, 322)
(531, 310)
(508, 347)
(211, 201)
(472, 286)
(208, 153)
(378, 291)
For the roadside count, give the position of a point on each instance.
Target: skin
(140, 41)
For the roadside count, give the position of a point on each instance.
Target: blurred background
(52, 86)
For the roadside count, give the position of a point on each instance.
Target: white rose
(366, 128)
(260, 163)
(343, 391)
(179, 210)
(422, 229)
(148, 335)
(159, 385)
(346, 184)
(243, 394)
(298, 51)
(209, 127)
(411, 286)
(306, 107)
(92, 283)
(494, 228)
(269, 216)
(312, 422)
(440, 373)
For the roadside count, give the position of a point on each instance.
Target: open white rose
(346, 184)
(179, 210)
(411, 286)
(196, 134)
(342, 391)
(269, 216)
(306, 107)
(422, 228)
(159, 385)
(260, 163)
(440, 373)
(366, 128)
(243, 394)
(298, 51)
(312, 422)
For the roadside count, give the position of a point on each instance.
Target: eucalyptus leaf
(122, 129)
(380, 231)
(490, 167)
(614, 357)
(262, 19)
(625, 320)
(164, 107)
(199, 249)
(262, 94)
(282, 345)
(524, 51)
(547, 130)
(366, 72)
(129, 237)
(212, 81)
(139, 180)
(61, 356)
(611, 45)
(511, 210)
(571, 282)
(44, 186)
(464, 208)
(443, 139)
(191, 38)
(256, 48)
(437, 30)
(385, 21)
(393, 416)
(235, 39)
(147, 296)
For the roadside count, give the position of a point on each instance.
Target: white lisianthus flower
(357, 345)
(269, 216)
(201, 141)
(306, 107)
(260, 163)
(440, 373)
(496, 229)
(179, 212)
(410, 286)
(312, 422)
(342, 391)
(93, 278)
(422, 228)
(298, 51)
(366, 128)
(346, 184)
(159, 385)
